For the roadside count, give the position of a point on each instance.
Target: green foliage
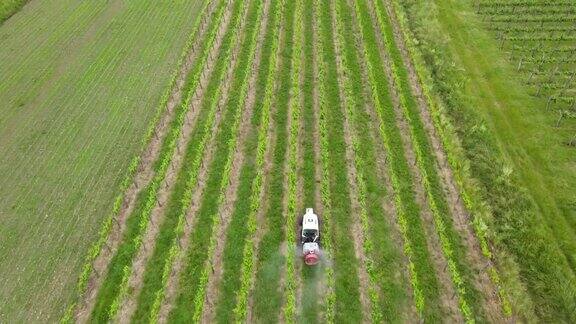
(267, 296)
(515, 225)
(9, 8)
(346, 307)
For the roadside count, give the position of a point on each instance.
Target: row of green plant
(108, 223)
(115, 287)
(307, 171)
(293, 157)
(503, 214)
(167, 247)
(530, 19)
(268, 293)
(194, 277)
(469, 299)
(468, 190)
(238, 96)
(238, 255)
(347, 305)
(422, 274)
(384, 266)
(350, 105)
(327, 244)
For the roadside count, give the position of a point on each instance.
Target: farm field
(156, 160)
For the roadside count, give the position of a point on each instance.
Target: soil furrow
(128, 305)
(226, 209)
(142, 177)
(388, 202)
(448, 294)
(475, 257)
(185, 240)
(357, 232)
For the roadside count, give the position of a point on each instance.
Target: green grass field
(155, 159)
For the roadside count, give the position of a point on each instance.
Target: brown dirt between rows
(227, 207)
(128, 306)
(142, 178)
(475, 258)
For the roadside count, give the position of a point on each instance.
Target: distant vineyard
(540, 38)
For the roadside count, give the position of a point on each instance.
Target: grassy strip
(239, 249)
(514, 223)
(347, 303)
(267, 296)
(383, 259)
(195, 275)
(115, 287)
(108, 222)
(422, 275)
(292, 214)
(327, 245)
(310, 275)
(468, 296)
(460, 165)
(10, 7)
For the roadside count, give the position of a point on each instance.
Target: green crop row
(469, 188)
(244, 75)
(350, 109)
(422, 275)
(248, 260)
(108, 222)
(449, 238)
(387, 266)
(292, 212)
(115, 287)
(347, 305)
(330, 298)
(167, 248)
(194, 277)
(267, 295)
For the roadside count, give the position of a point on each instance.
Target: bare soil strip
(143, 176)
(173, 284)
(226, 209)
(388, 202)
(357, 232)
(128, 306)
(475, 258)
(448, 294)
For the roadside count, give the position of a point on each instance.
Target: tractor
(310, 238)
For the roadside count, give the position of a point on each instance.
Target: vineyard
(214, 141)
(539, 37)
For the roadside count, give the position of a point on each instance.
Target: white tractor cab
(310, 237)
